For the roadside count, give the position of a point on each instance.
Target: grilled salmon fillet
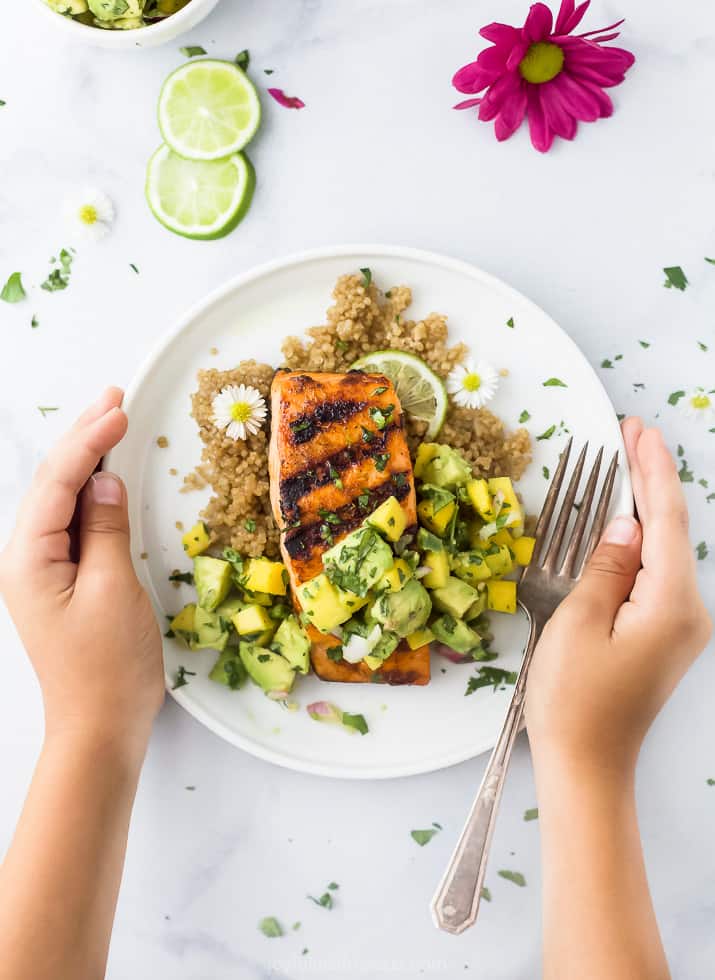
(338, 448)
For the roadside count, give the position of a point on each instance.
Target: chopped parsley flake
(545, 472)
(13, 291)
(490, 677)
(270, 927)
(250, 524)
(186, 577)
(423, 837)
(701, 551)
(367, 435)
(532, 814)
(180, 680)
(243, 59)
(381, 461)
(510, 322)
(133, 268)
(335, 477)
(605, 363)
(325, 901)
(192, 50)
(710, 782)
(675, 278)
(711, 261)
(702, 346)
(686, 475)
(300, 425)
(59, 277)
(329, 515)
(516, 876)
(355, 721)
(383, 388)
(675, 396)
(486, 894)
(44, 409)
(644, 343)
(547, 434)
(34, 323)
(366, 277)
(399, 479)
(524, 417)
(555, 383)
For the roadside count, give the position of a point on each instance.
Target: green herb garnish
(381, 461)
(516, 876)
(270, 927)
(422, 837)
(532, 814)
(545, 472)
(675, 278)
(355, 721)
(300, 425)
(486, 894)
(490, 677)
(702, 346)
(675, 396)
(701, 551)
(644, 343)
(367, 435)
(335, 477)
(249, 524)
(44, 409)
(325, 901)
(13, 291)
(510, 322)
(59, 277)
(133, 268)
(180, 680)
(555, 383)
(366, 277)
(524, 417)
(686, 475)
(186, 577)
(329, 515)
(547, 434)
(243, 59)
(34, 323)
(192, 50)
(605, 363)
(382, 389)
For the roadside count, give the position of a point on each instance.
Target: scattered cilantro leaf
(638, 386)
(675, 278)
(59, 277)
(13, 291)
(532, 814)
(711, 261)
(325, 901)
(34, 323)
(186, 577)
(243, 59)
(701, 551)
(486, 894)
(490, 677)
(422, 837)
(710, 782)
(547, 434)
(366, 277)
(268, 71)
(3, 102)
(249, 524)
(510, 322)
(702, 346)
(295, 926)
(355, 721)
(555, 383)
(192, 50)
(180, 680)
(516, 876)
(524, 417)
(270, 927)
(605, 363)
(644, 343)
(333, 886)
(675, 396)
(545, 472)
(133, 268)
(44, 409)
(381, 461)
(686, 475)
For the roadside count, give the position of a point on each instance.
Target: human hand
(615, 649)
(88, 627)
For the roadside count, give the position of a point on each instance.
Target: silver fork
(544, 583)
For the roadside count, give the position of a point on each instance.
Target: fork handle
(456, 902)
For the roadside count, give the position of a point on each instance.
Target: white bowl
(143, 37)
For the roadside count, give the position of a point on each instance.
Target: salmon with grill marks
(337, 451)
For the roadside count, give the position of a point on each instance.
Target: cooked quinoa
(362, 320)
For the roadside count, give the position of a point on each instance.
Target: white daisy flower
(89, 214)
(240, 410)
(699, 404)
(473, 384)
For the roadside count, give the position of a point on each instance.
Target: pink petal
(576, 98)
(542, 137)
(288, 101)
(511, 116)
(502, 34)
(505, 88)
(565, 11)
(471, 78)
(494, 58)
(538, 23)
(567, 24)
(604, 101)
(555, 112)
(467, 104)
(600, 29)
(516, 56)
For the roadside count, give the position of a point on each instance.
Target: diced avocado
(523, 549)
(405, 611)
(455, 634)
(183, 622)
(279, 611)
(501, 596)
(229, 670)
(438, 562)
(196, 540)
(256, 598)
(498, 558)
(419, 638)
(253, 621)
(426, 541)
(373, 662)
(292, 642)
(230, 606)
(478, 606)
(502, 485)
(446, 468)
(262, 575)
(389, 519)
(357, 562)
(395, 578)
(212, 578)
(471, 566)
(324, 606)
(436, 521)
(426, 452)
(269, 670)
(385, 646)
(210, 631)
(481, 499)
(455, 597)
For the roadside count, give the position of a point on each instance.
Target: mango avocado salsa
(120, 15)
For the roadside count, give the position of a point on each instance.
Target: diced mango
(500, 562)
(419, 638)
(183, 622)
(511, 505)
(471, 566)
(438, 574)
(196, 540)
(256, 598)
(481, 500)
(262, 575)
(389, 519)
(252, 621)
(373, 662)
(394, 578)
(503, 537)
(436, 522)
(325, 606)
(523, 549)
(501, 596)
(426, 452)
(351, 601)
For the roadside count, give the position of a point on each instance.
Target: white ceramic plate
(412, 730)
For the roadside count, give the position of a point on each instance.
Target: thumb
(611, 571)
(104, 522)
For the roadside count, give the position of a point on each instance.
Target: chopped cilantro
(675, 278)
(545, 472)
(13, 291)
(686, 475)
(333, 886)
(381, 416)
(490, 677)
(679, 450)
(547, 434)
(644, 343)
(605, 363)
(180, 680)
(3, 102)
(364, 500)
(710, 782)
(711, 261)
(355, 721)
(399, 479)
(516, 876)
(269, 71)
(510, 322)
(341, 345)
(524, 417)
(335, 653)
(532, 814)
(555, 383)
(133, 268)
(325, 901)
(329, 515)
(59, 277)
(249, 524)
(383, 388)
(335, 477)
(638, 386)
(381, 461)
(34, 323)
(243, 59)
(192, 50)
(295, 926)
(422, 837)
(300, 425)
(701, 551)
(44, 409)
(486, 894)
(186, 577)
(270, 927)
(366, 277)
(367, 435)
(326, 534)
(675, 396)
(702, 346)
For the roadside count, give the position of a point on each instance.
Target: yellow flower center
(240, 411)
(472, 382)
(542, 62)
(700, 401)
(88, 214)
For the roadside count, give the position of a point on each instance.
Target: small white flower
(89, 214)
(699, 404)
(240, 410)
(473, 385)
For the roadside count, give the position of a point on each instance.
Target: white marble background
(377, 156)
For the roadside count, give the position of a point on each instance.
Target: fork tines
(547, 552)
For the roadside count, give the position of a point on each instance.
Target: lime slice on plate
(199, 198)
(208, 110)
(421, 392)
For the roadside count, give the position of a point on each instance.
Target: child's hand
(88, 628)
(617, 646)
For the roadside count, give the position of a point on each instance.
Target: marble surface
(377, 156)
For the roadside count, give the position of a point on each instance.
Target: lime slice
(208, 109)
(199, 198)
(421, 392)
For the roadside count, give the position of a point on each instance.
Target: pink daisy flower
(544, 72)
